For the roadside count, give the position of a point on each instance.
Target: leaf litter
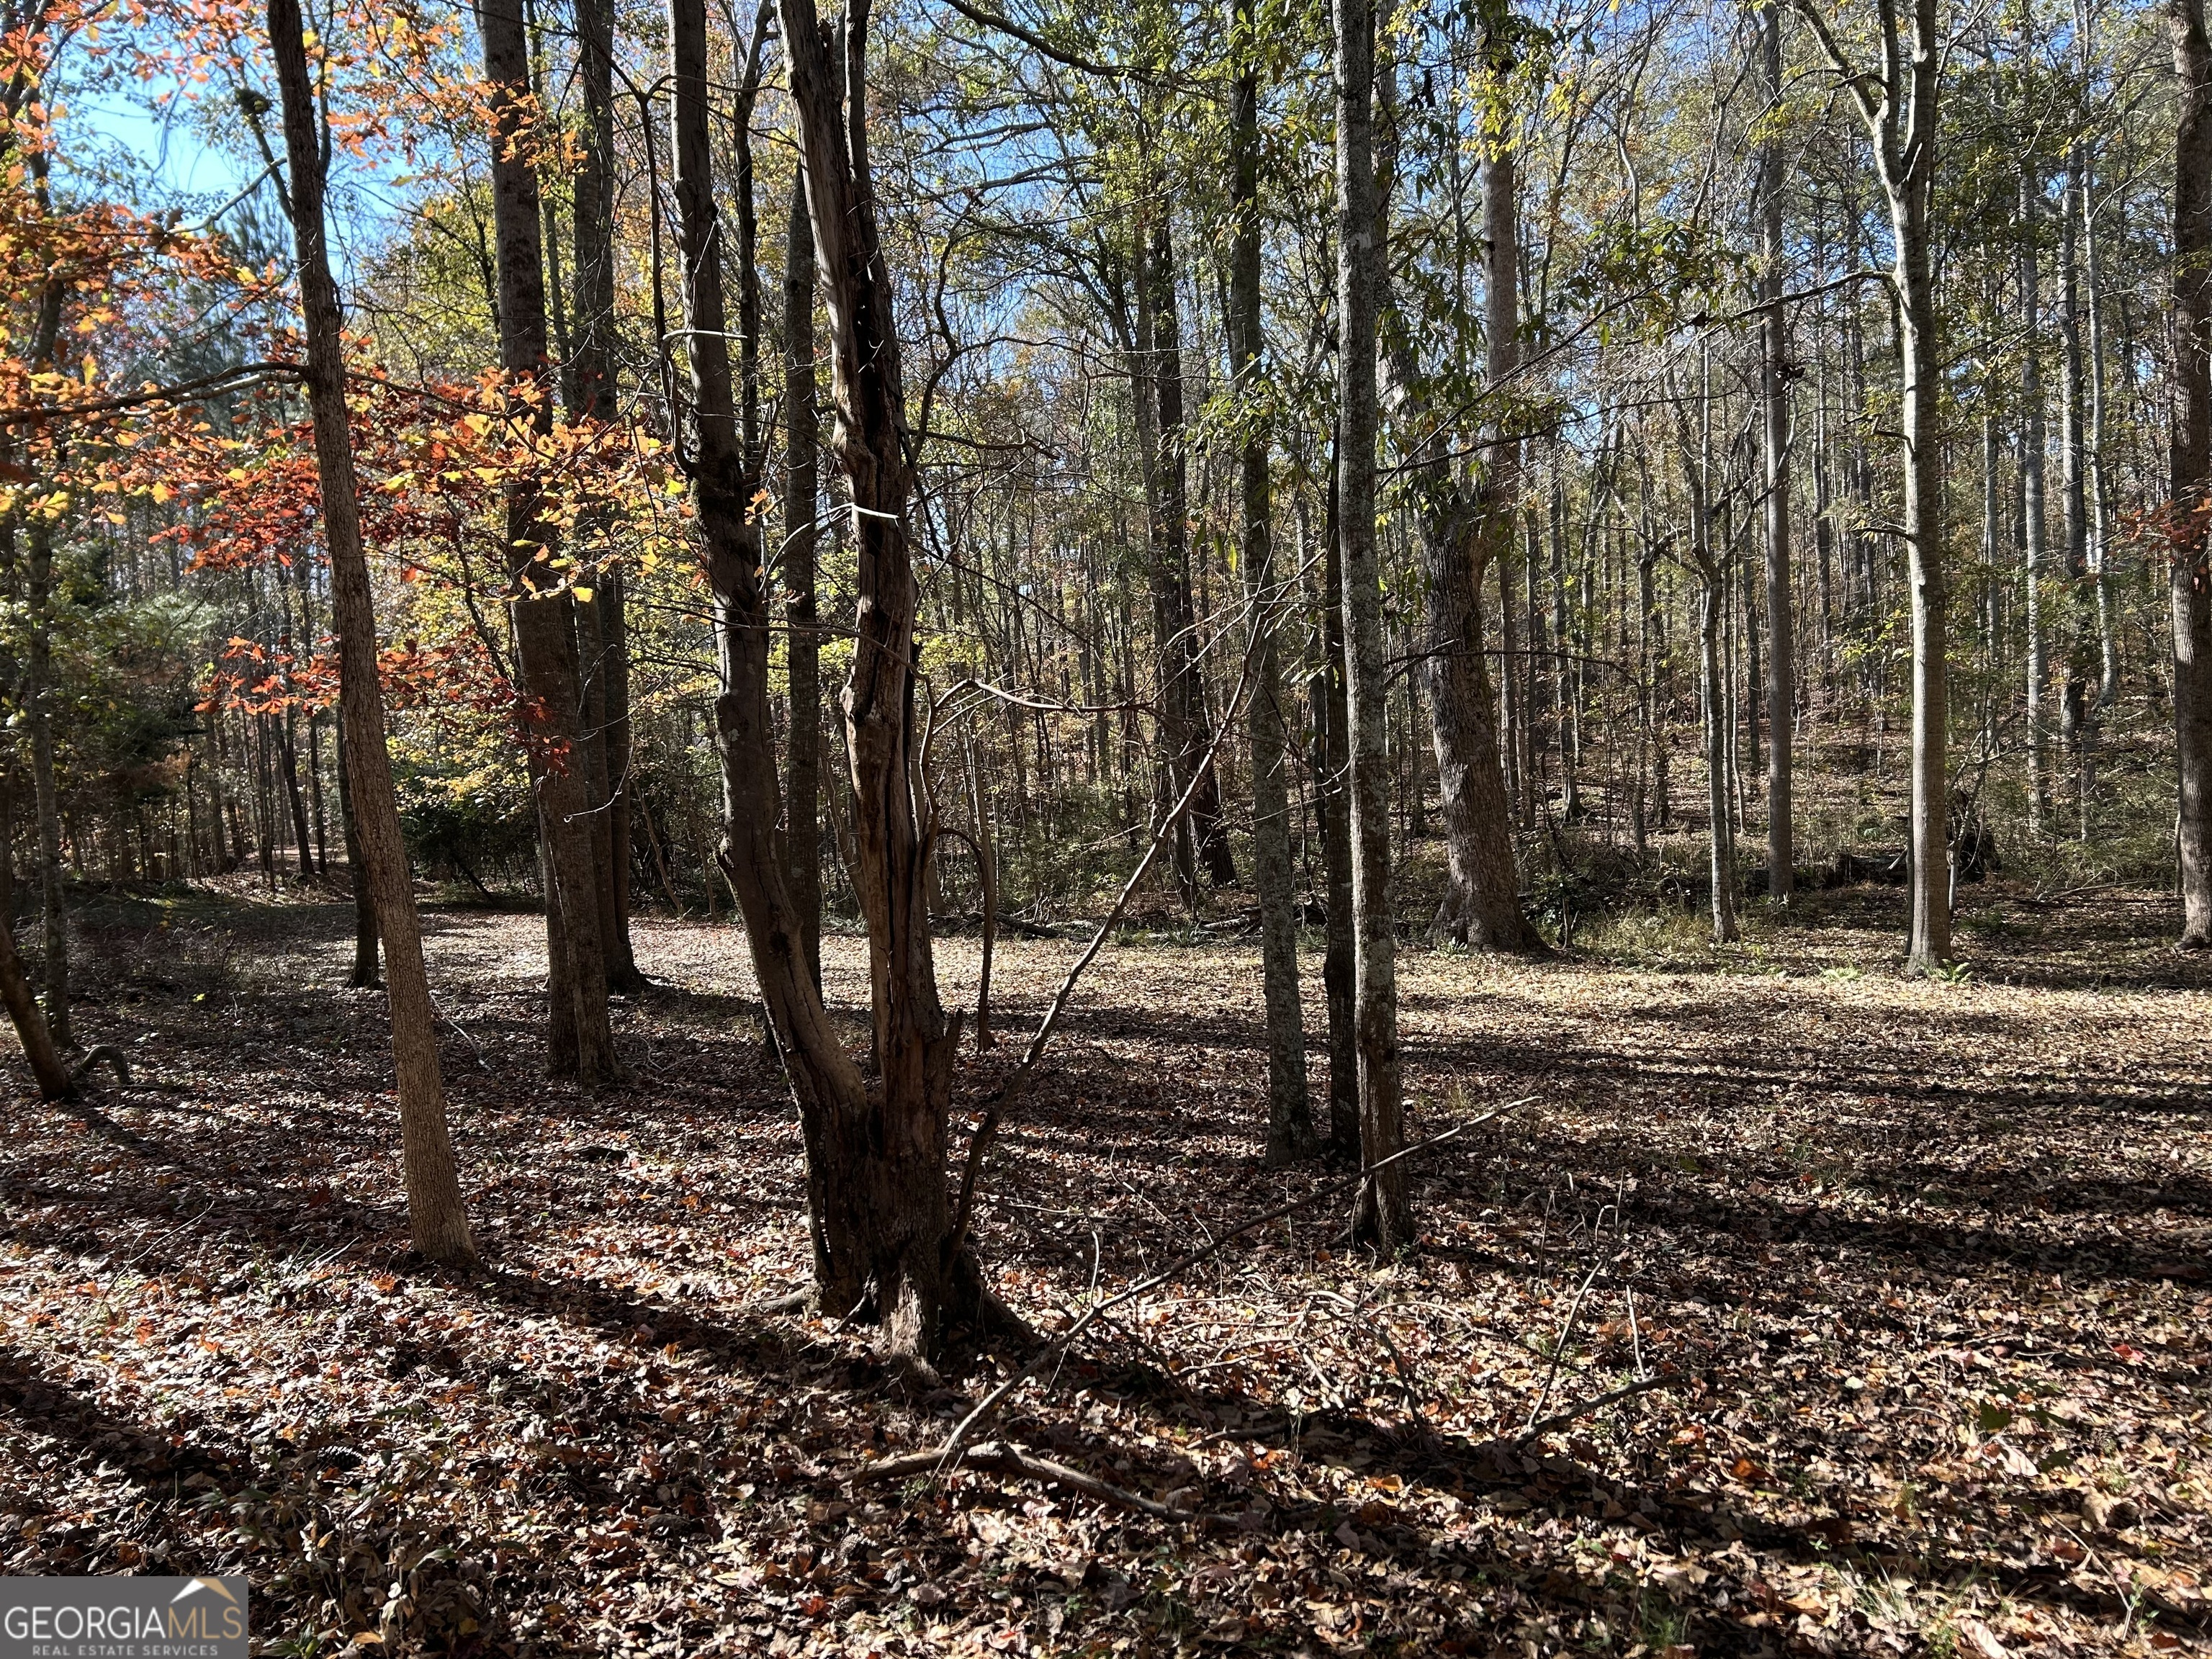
(1897, 1293)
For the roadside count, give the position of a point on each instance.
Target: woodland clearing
(1920, 1266)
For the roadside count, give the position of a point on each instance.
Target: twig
(1561, 1418)
(1405, 1375)
(1004, 1458)
(1566, 1331)
(919, 1462)
(979, 1142)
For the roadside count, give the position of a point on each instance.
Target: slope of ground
(1916, 1273)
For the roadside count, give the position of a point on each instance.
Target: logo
(122, 1619)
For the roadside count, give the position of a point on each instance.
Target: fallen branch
(1004, 1458)
(1560, 1419)
(945, 1456)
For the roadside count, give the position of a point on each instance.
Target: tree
(540, 605)
(1897, 103)
(2192, 461)
(803, 651)
(1774, 398)
(1290, 1118)
(603, 626)
(1466, 528)
(1384, 1217)
(437, 1216)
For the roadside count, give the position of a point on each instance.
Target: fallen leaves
(1936, 1381)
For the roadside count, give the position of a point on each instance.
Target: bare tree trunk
(2034, 515)
(593, 396)
(38, 676)
(539, 603)
(437, 1216)
(1774, 388)
(986, 874)
(2191, 462)
(1896, 102)
(1712, 681)
(2076, 725)
(1333, 788)
(1461, 538)
(876, 1178)
(1930, 944)
(802, 489)
(1290, 1133)
(30, 1021)
(2101, 541)
(1384, 1217)
(365, 975)
(1183, 689)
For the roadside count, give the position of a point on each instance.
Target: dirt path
(1923, 1266)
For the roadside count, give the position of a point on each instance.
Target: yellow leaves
(162, 492)
(583, 595)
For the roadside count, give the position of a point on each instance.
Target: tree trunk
(538, 602)
(30, 1021)
(2191, 462)
(1290, 1133)
(1384, 1216)
(592, 397)
(1182, 688)
(877, 1191)
(1713, 694)
(1774, 386)
(2100, 543)
(437, 1217)
(1898, 104)
(38, 676)
(802, 490)
(2075, 727)
(1930, 944)
(1462, 538)
(2034, 514)
(1333, 801)
(365, 975)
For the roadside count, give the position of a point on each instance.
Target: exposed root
(115, 1058)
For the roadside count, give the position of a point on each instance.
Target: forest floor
(1919, 1269)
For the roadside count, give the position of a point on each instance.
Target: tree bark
(803, 653)
(539, 603)
(1183, 690)
(437, 1217)
(1333, 790)
(365, 975)
(1384, 1217)
(38, 677)
(877, 1193)
(1291, 1134)
(1712, 600)
(23, 1010)
(1464, 533)
(1774, 388)
(2191, 462)
(592, 395)
(1896, 102)
(2033, 494)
